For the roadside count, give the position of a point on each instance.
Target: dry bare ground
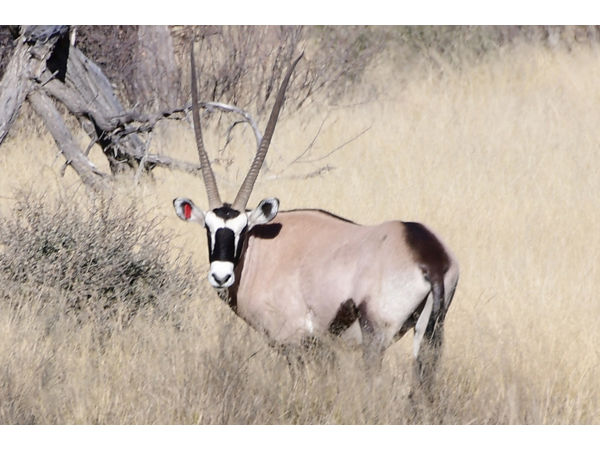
(500, 158)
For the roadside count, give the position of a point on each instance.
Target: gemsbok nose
(221, 280)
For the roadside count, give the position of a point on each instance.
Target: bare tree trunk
(26, 65)
(156, 73)
(45, 62)
(13, 90)
(37, 57)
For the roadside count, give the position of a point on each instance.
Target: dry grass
(500, 158)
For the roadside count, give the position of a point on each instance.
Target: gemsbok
(300, 275)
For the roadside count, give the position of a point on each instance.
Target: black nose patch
(224, 246)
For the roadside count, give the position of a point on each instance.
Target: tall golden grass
(500, 158)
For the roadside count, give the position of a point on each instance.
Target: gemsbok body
(300, 275)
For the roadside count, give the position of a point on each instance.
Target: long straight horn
(214, 201)
(246, 189)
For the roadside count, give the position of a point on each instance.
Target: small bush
(99, 257)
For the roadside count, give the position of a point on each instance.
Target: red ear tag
(187, 210)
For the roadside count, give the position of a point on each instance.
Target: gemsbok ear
(264, 212)
(186, 210)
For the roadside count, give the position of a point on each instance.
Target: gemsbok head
(304, 274)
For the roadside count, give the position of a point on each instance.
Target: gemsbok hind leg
(429, 331)
(428, 341)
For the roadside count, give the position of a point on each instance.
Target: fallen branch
(86, 170)
(170, 163)
(121, 124)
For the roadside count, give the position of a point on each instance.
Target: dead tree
(156, 75)
(45, 68)
(36, 62)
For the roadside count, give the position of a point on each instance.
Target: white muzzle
(221, 274)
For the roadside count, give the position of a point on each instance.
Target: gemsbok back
(300, 275)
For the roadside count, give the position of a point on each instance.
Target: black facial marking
(225, 212)
(238, 250)
(224, 246)
(345, 316)
(209, 241)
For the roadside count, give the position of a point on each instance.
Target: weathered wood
(173, 164)
(53, 120)
(46, 66)
(88, 94)
(156, 74)
(36, 62)
(25, 66)
(13, 90)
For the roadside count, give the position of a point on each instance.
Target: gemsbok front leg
(373, 344)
